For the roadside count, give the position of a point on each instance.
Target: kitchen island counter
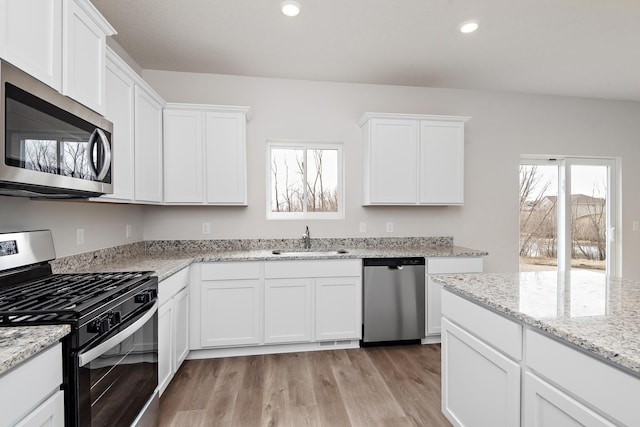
(599, 315)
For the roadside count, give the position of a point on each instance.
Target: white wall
(503, 126)
(103, 223)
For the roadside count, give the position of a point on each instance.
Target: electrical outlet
(79, 236)
(206, 228)
(128, 233)
(636, 226)
(363, 227)
(389, 227)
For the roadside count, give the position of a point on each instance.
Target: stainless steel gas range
(110, 358)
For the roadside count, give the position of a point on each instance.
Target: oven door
(118, 376)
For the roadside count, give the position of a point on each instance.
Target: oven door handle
(93, 353)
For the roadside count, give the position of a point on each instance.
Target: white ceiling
(588, 48)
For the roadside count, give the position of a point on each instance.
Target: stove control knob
(146, 296)
(115, 318)
(99, 326)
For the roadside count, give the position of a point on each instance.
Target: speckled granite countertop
(17, 344)
(168, 257)
(597, 314)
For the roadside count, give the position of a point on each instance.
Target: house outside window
(305, 180)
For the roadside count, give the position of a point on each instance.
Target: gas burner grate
(63, 297)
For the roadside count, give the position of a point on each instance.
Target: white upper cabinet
(183, 156)
(31, 38)
(84, 53)
(119, 110)
(205, 154)
(148, 145)
(412, 159)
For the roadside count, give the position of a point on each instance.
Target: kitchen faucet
(306, 238)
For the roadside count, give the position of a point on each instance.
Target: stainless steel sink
(310, 253)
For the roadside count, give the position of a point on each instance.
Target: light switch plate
(363, 227)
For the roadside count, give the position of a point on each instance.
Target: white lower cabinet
(452, 265)
(287, 311)
(30, 393)
(545, 405)
(338, 308)
(230, 313)
(173, 326)
(486, 357)
(251, 304)
(480, 385)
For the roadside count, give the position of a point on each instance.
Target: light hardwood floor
(376, 386)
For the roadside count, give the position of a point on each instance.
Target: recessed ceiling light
(290, 7)
(468, 26)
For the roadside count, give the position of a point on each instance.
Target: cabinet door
(50, 413)
(31, 38)
(393, 174)
(338, 308)
(480, 386)
(165, 345)
(434, 307)
(181, 327)
(287, 311)
(441, 162)
(434, 290)
(119, 110)
(230, 313)
(148, 147)
(225, 141)
(545, 405)
(183, 156)
(84, 54)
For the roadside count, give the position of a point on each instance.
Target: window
(305, 180)
(568, 214)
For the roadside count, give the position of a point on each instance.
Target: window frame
(305, 145)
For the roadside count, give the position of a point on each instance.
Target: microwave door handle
(97, 351)
(106, 149)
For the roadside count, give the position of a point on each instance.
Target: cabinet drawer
(172, 285)
(600, 385)
(454, 265)
(496, 330)
(29, 384)
(313, 268)
(230, 271)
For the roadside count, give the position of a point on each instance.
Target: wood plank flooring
(376, 386)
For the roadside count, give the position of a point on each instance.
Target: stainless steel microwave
(50, 145)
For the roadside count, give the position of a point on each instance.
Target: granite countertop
(17, 344)
(169, 262)
(586, 309)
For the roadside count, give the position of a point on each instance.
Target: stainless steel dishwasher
(393, 299)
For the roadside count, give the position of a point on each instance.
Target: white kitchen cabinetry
(544, 405)
(30, 392)
(205, 154)
(338, 308)
(84, 38)
(226, 304)
(275, 303)
(287, 310)
(450, 265)
(183, 159)
(148, 145)
(480, 365)
(412, 159)
(593, 392)
(31, 38)
(119, 104)
(136, 113)
(173, 326)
